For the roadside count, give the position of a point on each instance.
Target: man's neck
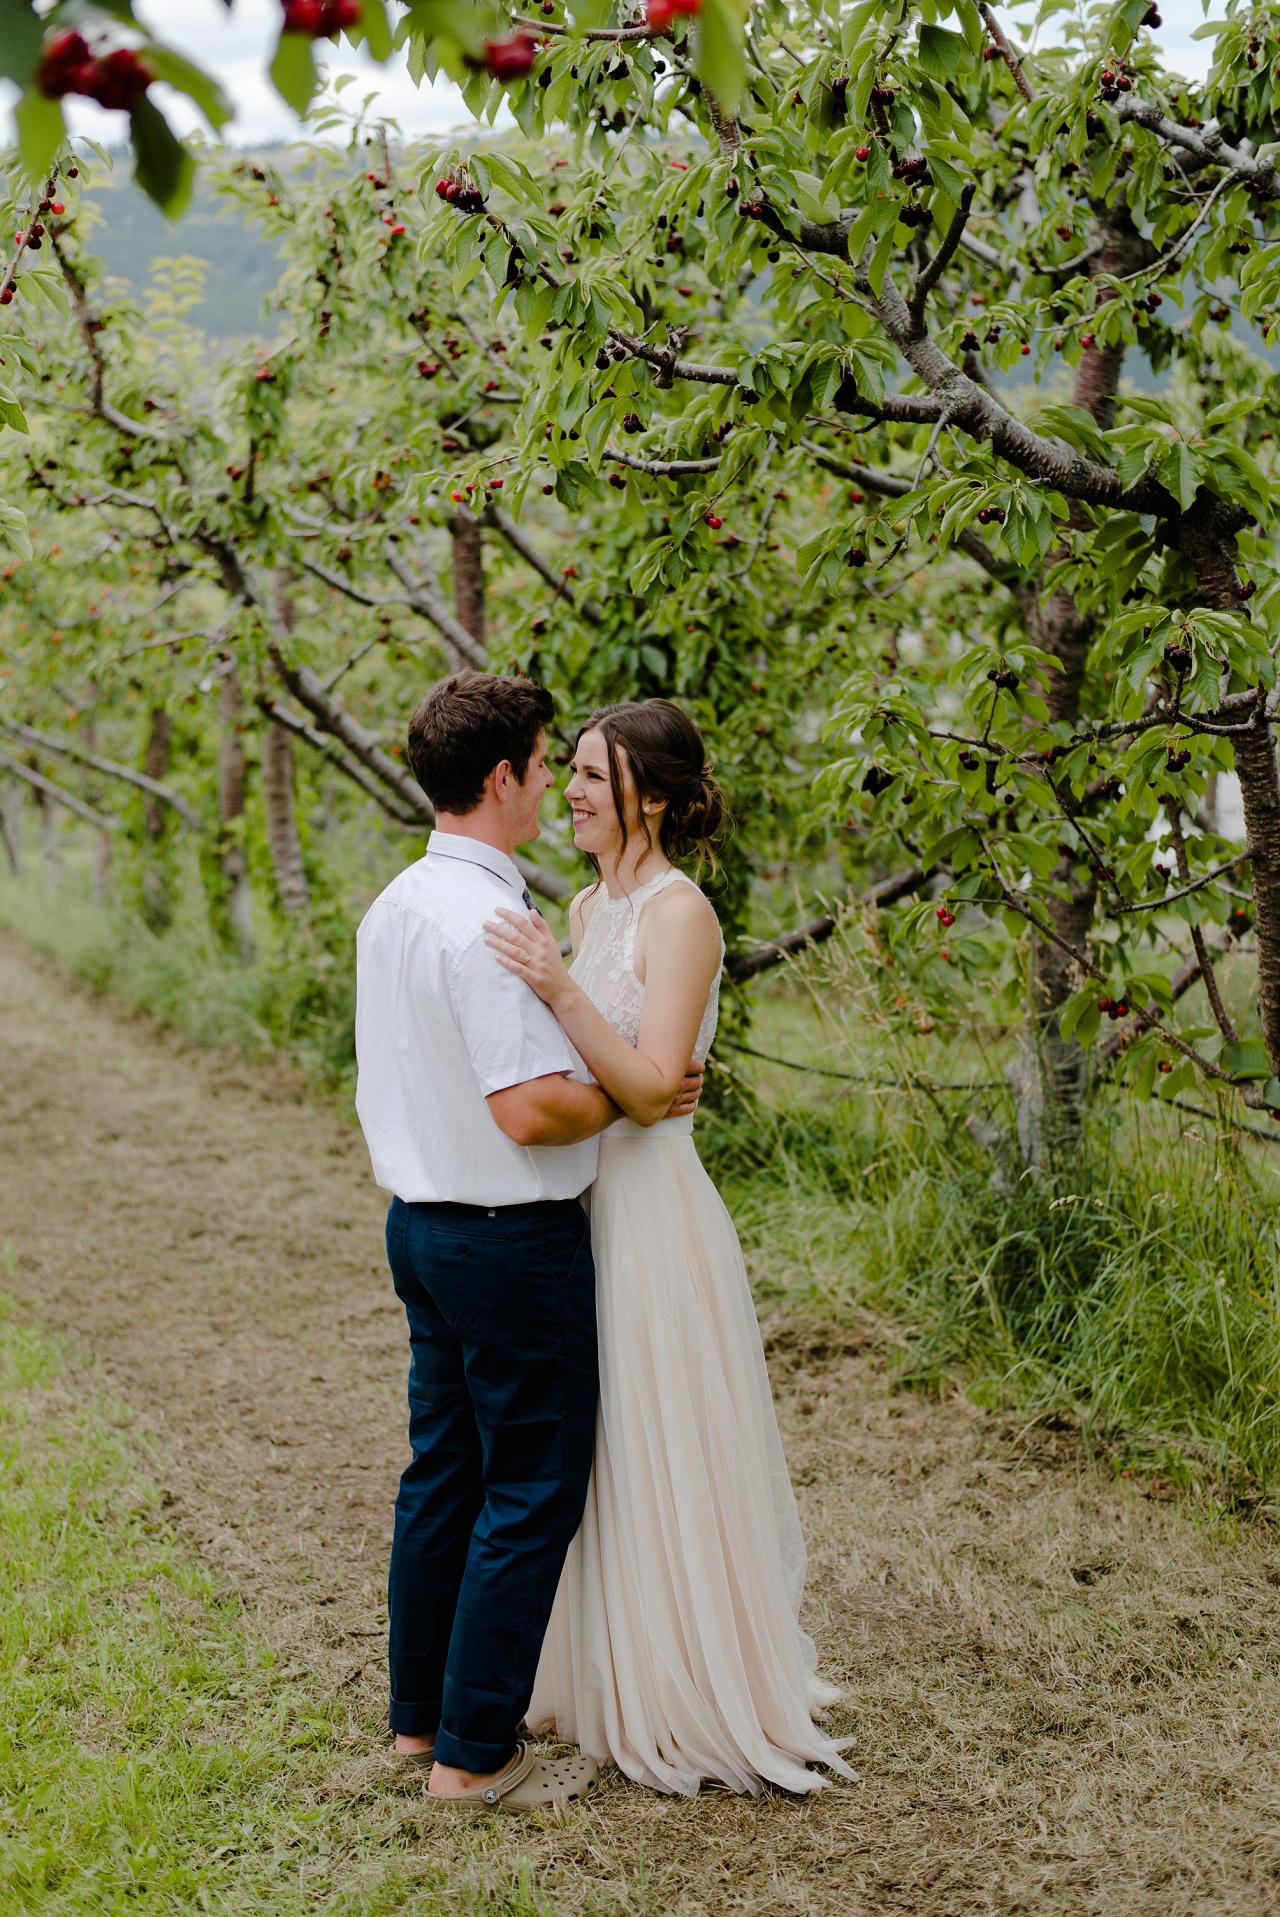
(477, 826)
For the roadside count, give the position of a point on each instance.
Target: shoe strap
(501, 1786)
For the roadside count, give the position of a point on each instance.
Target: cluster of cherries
(1174, 761)
(1114, 1007)
(914, 172)
(659, 14)
(991, 516)
(68, 64)
(1112, 82)
(1002, 677)
(320, 19)
(462, 193)
(913, 214)
(1179, 657)
(945, 916)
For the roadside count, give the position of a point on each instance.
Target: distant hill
(243, 267)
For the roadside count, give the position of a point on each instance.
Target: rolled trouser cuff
(414, 1720)
(463, 1754)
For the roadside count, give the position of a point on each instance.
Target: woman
(674, 1649)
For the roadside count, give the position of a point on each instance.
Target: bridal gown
(674, 1649)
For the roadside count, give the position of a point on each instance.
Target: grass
(158, 1751)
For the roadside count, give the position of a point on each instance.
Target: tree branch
(328, 750)
(929, 275)
(426, 597)
(662, 468)
(503, 522)
(744, 965)
(82, 811)
(1207, 972)
(1011, 60)
(165, 794)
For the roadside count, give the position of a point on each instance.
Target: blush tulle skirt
(675, 1650)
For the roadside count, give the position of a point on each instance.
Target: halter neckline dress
(674, 1649)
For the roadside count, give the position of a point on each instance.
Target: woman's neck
(639, 865)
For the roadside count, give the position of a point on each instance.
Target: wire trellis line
(859, 1078)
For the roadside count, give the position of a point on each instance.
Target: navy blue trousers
(503, 1384)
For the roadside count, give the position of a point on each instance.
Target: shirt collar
(464, 851)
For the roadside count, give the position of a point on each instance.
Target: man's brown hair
(469, 724)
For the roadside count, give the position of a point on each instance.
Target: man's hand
(686, 1099)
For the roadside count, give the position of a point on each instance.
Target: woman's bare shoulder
(683, 911)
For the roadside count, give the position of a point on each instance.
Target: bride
(674, 1649)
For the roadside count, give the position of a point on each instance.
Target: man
(479, 1117)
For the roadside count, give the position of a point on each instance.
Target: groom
(481, 1119)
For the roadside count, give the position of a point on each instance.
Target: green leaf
(720, 61)
(943, 55)
(375, 29)
(1271, 1093)
(1232, 409)
(1078, 428)
(162, 166)
(293, 71)
(1248, 1059)
(41, 131)
(21, 37)
(1075, 1011)
(187, 78)
(12, 414)
(13, 531)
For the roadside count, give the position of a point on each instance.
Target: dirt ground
(1062, 1689)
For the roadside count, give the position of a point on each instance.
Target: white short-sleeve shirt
(440, 1024)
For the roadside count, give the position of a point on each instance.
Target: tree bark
(156, 765)
(1210, 546)
(231, 781)
(11, 796)
(282, 820)
(468, 572)
(50, 845)
(1060, 628)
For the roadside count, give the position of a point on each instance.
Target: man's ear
(501, 779)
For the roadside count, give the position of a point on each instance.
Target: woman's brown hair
(668, 759)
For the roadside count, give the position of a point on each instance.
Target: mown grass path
(1063, 1690)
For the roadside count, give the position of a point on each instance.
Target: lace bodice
(605, 965)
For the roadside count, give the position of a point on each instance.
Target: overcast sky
(236, 47)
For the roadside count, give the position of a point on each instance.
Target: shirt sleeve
(510, 1034)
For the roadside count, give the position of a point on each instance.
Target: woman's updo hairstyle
(668, 760)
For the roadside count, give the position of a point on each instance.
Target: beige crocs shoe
(409, 1765)
(532, 1783)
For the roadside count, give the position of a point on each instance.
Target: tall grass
(1132, 1280)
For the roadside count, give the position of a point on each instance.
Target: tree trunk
(282, 820)
(156, 765)
(231, 776)
(50, 844)
(157, 888)
(1207, 539)
(468, 572)
(11, 797)
(1060, 628)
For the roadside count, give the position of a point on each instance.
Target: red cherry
(58, 208)
(399, 228)
(6, 298)
(511, 57)
(863, 154)
(714, 521)
(1086, 339)
(548, 489)
(458, 498)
